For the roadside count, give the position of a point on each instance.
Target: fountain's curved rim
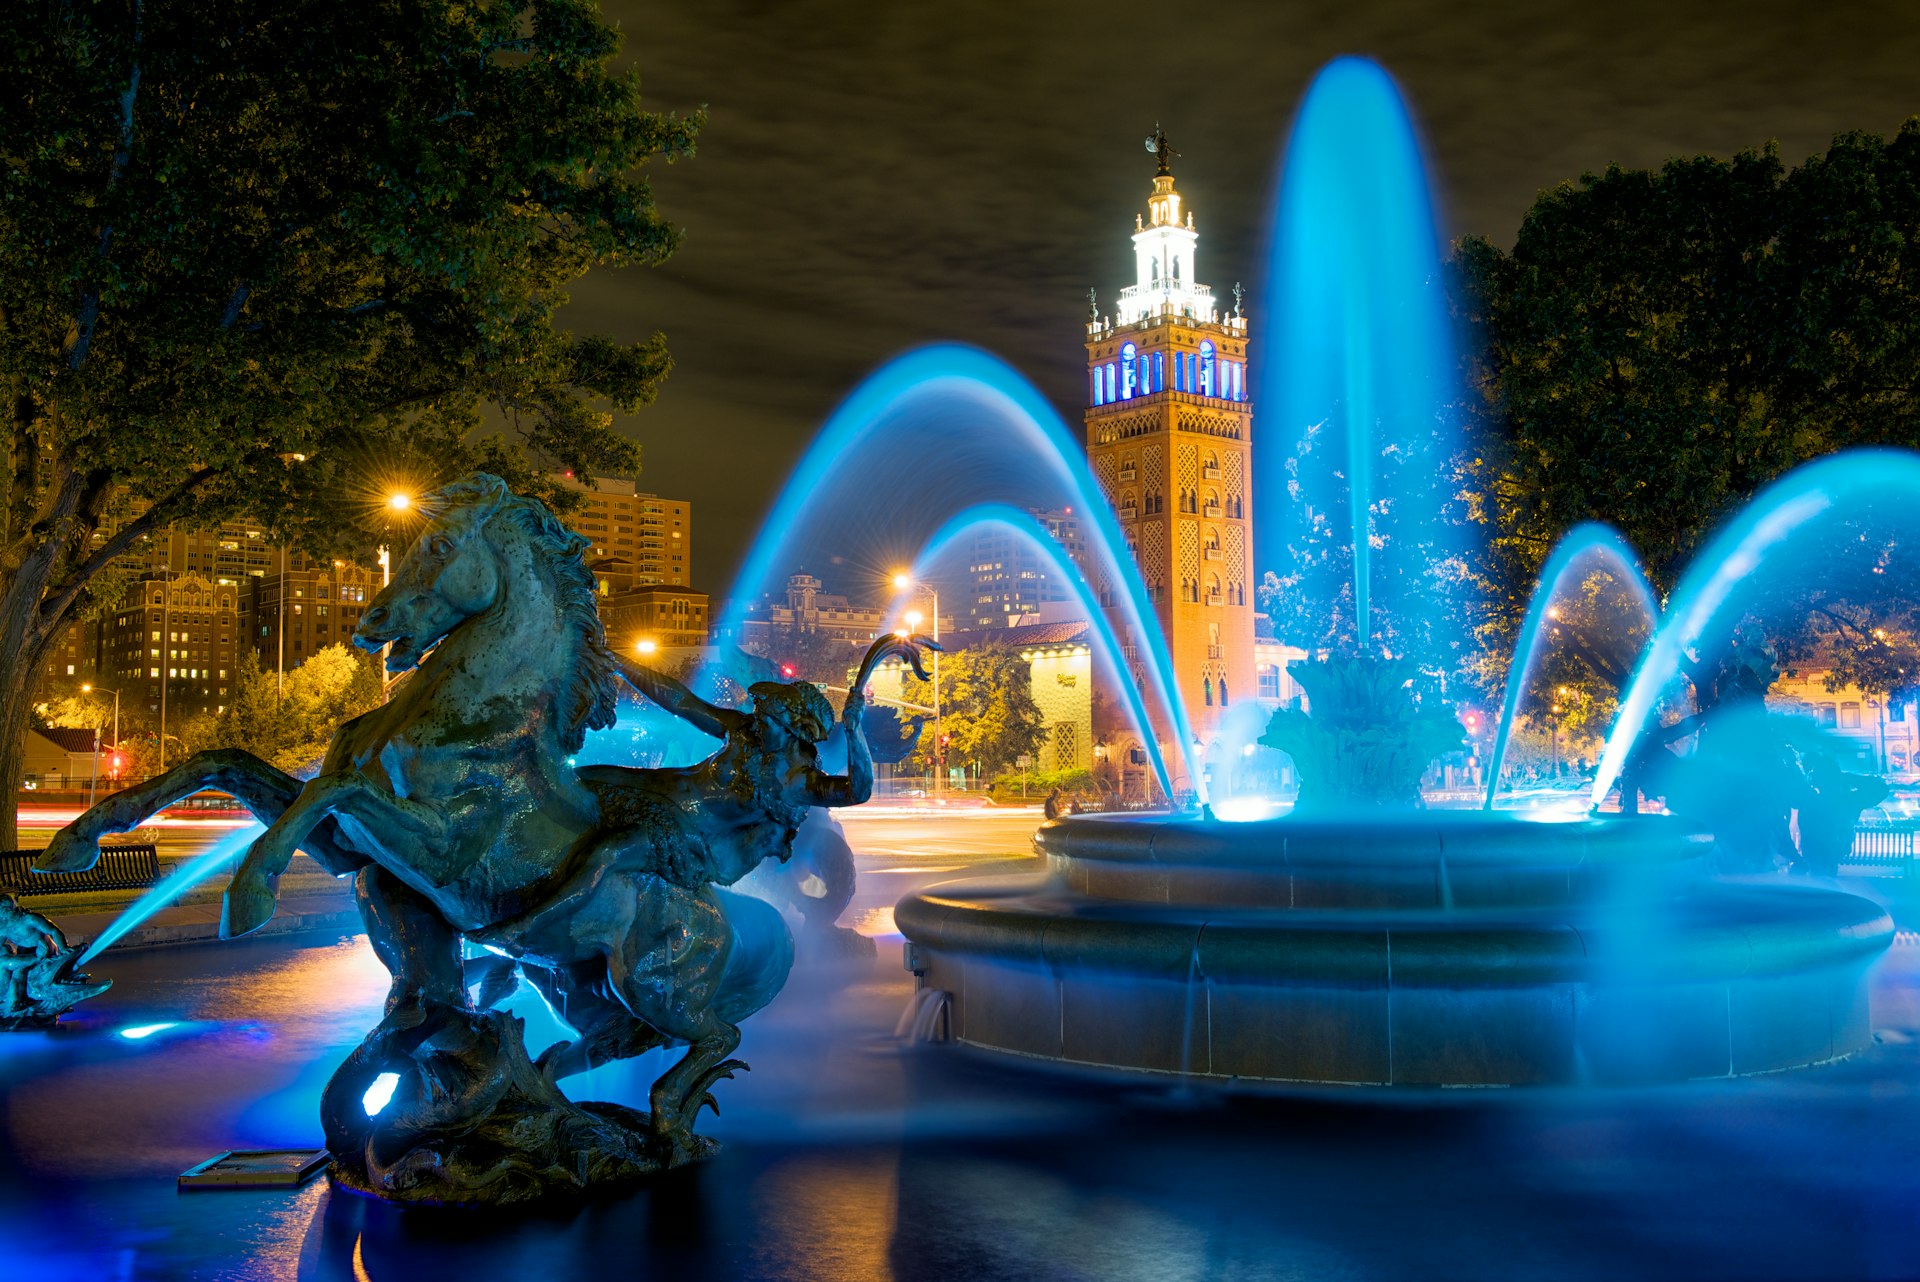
(1458, 837)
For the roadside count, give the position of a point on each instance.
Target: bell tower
(1169, 440)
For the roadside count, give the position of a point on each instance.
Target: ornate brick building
(1169, 432)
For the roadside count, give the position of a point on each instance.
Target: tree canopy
(987, 710)
(290, 725)
(273, 258)
(1658, 345)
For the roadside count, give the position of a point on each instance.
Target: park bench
(129, 867)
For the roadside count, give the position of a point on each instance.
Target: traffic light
(1472, 721)
(787, 670)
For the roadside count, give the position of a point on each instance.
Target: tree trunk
(18, 681)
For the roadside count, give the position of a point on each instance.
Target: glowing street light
(399, 501)
(89, 689)
(646, 647)
(903, 582)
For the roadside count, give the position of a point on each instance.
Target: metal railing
(128, 867)
(1880, 852)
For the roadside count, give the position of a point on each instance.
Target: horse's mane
(590, 698)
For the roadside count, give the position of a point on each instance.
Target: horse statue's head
(459, 569)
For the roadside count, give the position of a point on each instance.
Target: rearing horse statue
(457, 812)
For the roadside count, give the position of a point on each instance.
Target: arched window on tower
(1206, 367)
(1223, 690)
(1145, 381)
(1159, 371)
(1110, 381)
(1239, 380)
(1176, 269)
(1206, 689)
(1153, 272)
(1099, 386)
(1129, 370)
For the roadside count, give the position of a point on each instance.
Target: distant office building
(1011, 579)
(807, 608)
(657, 618)
(173, 646)
(639, 540)
(304, 607)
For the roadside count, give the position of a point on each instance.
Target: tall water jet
(1357, 373)
(1362, 944)
(929, 434)
(1589, 550)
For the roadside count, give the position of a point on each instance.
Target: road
(899, 850)
(176, 838)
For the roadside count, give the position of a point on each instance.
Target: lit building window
(1129, 372)
(1206, 367)
(1110, 380)
(1099, 388)
(1159, 371)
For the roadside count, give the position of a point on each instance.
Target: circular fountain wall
(1439, 948)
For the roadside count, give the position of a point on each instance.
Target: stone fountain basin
(1447, 948)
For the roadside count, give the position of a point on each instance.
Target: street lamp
(89, 689)
(646, 647)
(1554, 721)
(903, 582)
(399, 503)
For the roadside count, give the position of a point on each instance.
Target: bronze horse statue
(456, 809)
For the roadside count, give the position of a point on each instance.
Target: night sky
(876, 175)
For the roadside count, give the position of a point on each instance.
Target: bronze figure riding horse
(458, 813)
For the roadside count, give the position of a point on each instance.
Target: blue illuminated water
(169, 888)
(1586, 549)
(1156, 666)
(1744, 558)
(929, 435)
(1356, 370)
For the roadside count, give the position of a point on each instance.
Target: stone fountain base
(1443, 948)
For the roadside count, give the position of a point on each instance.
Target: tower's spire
(1163, 150)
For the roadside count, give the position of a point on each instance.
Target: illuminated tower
(1168, 436)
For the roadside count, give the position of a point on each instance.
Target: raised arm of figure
(680, 701)
(856, 785)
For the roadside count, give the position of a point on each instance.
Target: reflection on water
(847, 1157)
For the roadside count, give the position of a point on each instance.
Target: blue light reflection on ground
(846, 1158)
(140, 1032)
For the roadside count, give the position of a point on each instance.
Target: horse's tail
(759, 960)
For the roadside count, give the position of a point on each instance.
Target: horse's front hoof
(68, 852)
(247, 906)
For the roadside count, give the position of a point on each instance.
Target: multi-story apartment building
(1011, 579)
(639, 540)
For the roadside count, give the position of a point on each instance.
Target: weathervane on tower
(1160, 147)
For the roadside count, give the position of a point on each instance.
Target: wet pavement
(848, 1157)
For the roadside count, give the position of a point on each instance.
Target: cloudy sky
(878, 175)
